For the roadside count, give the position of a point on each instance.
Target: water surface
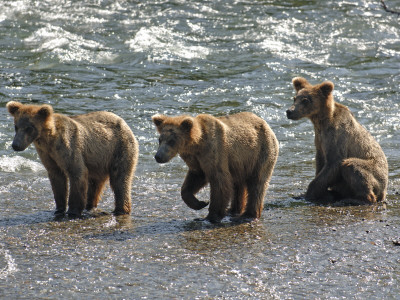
(138, 58)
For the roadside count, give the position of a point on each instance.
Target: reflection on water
(141, 58)
(7, 266)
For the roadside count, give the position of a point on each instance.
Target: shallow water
(140, 58)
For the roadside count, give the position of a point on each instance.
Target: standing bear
(236, 154)
(83, 150)
(351, 168)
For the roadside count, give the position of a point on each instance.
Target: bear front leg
(59, 185)
(221, 193)
(319, 161)
(317, 190)
(78, 192)
(58, 181)
(194, 181)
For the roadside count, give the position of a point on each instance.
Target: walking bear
(351, 168)
(83, 150)
(235, 154)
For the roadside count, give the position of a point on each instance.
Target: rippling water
(138, 58)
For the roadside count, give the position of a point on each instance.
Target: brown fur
(236, 154)
(351, 167)
(83, 151)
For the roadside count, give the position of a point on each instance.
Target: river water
(138, 58)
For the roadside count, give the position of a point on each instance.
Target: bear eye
(171, 143)
(307, 100)
(29, 129)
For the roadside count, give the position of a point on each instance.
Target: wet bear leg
(363, 187)
(239, 200)
(255, 199)
(58, 181)
(120, 183)
(78, 192)
(95, 190)
(59, 185)
(194, 181)
(221, 193)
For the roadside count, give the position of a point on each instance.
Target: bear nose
(16, 147)
(289, 113)
(158, 158)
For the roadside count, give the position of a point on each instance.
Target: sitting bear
(351, 168)
(84, 150)
(236, 154)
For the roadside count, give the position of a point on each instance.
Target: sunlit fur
(351, 167)
(235, 154)
(83, 151)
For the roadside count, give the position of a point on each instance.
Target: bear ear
(158, 119)
(13, 107)
(300, 83)
(186, 124)
(326, 88)
(44, 111)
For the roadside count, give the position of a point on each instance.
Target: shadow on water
(226, 238)
(124, 232)
(31, 219)
(44, 217)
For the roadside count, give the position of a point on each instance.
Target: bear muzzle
(21, 142)
(289, 114)
(17, 147)
(293, 114)
(160, 158)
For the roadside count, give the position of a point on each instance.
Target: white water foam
(162, 44)
(67, 46)
(10, 267)
(17, 163)
(9, 10)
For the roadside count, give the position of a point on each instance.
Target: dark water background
(138, 58)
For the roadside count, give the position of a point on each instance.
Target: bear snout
(289, 114)
(17, 147)
(160, 159)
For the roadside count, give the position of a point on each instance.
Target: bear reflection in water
(235, 154)
(84, 150)
(351, 168)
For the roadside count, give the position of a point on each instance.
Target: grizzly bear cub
(351, 168)
(83, 150)
(236, 154)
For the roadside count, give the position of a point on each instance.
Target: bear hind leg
(95, 189)
(239, 200)
(257, 185)
(361, 182)
(255, 199)
(121, 181)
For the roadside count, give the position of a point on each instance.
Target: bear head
(30, 122)
(310, 100)
(176, 134)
